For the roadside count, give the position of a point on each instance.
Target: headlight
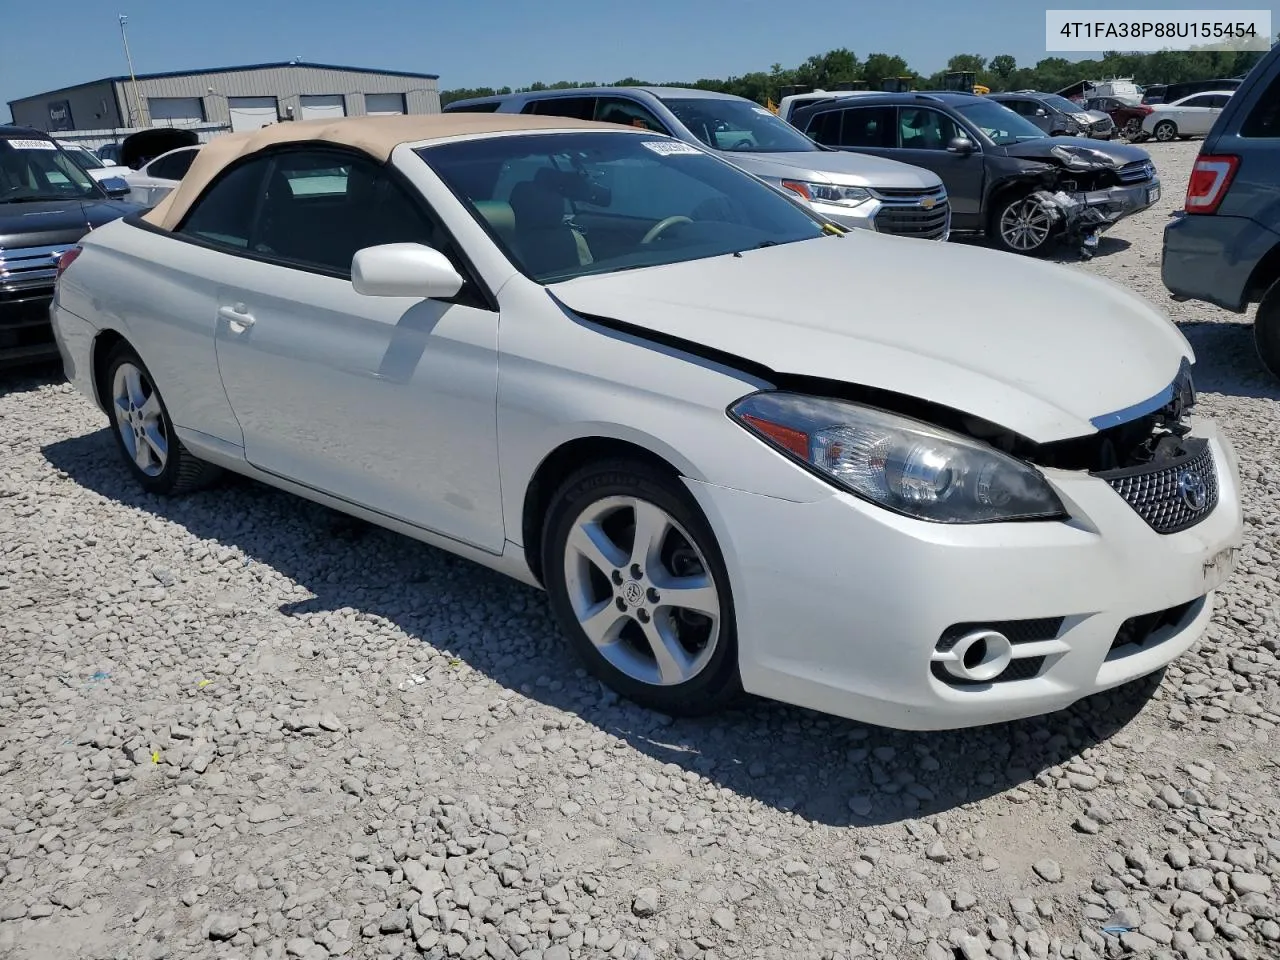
(828, 193)
(899, 463)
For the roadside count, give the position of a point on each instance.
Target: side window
(1200, 100)
(627, 112)
(870, 127)
(174, 166)
(924, 129)
(576, 108)
(825, 128)
(1219, 100)
(223, 215)
(1263, 120)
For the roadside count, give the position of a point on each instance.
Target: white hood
(1038, 348)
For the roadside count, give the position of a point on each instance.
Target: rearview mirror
(404, 270)
(115, 186)
(961, 146)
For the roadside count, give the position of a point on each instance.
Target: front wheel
(637, 582)
(1165, 131)
(1133, 128)
(1266, 330)
(1022, 225)
(144, 432)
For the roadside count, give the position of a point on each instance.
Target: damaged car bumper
(1081, 216)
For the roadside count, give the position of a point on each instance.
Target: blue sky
(495, 42)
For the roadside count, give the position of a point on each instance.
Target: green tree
(967, 61)
(881, 65)
(1003, 66)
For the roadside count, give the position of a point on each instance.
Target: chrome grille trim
(1139, 171)
(903, 214)
(1156, 494)
(23, 268)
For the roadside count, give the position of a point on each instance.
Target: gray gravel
(240, 726)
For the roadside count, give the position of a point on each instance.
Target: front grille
(1170, 496)
(1136, 631)
(1137, 172)
(30, 268)
(912, 221)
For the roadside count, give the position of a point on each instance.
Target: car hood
(56, 221)
(835, 166)
(1106, 152)
(1035, 347)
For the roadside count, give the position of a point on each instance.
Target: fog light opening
(980, 656)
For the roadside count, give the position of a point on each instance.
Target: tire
(144, 433)
(1026, 243)
(1266, 330)
(604, 579)
(1165, 131)
(1133, 128)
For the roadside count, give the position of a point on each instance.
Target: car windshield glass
(1062, 103)
(1001, 125)
(738, 125)
(85, 158)
(567, 205)
(37, 170)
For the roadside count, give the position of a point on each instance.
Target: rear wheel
(1133, 128)
(1266, 330)
(143, 431)
(1165, 131)
(637, 583)
(1022, 225)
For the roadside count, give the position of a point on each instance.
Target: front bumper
(25, 332)
(1211, 257)
(840, 605)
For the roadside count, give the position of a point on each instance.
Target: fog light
(980, 656)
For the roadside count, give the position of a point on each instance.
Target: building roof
(376, 136)
(236, 69)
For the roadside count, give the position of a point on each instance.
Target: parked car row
(835, 493)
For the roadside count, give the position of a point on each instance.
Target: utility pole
(133, 81)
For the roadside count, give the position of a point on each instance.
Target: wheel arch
(1265, 274)
(562, 461)
(106, 341)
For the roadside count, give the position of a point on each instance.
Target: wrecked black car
(1007, 180)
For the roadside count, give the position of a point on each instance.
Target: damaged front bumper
(1081, 216)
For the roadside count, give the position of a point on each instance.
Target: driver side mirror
(961, 146)
(1041, 112)
(404, 270)
(115, 186)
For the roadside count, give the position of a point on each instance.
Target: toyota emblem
(1193, 490)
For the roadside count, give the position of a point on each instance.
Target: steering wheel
(661, 227)
(742, 144)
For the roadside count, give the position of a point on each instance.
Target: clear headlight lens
(828, 193)
(899, 463)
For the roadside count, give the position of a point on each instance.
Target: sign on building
(60, 115)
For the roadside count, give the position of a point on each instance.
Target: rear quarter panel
(156, 292)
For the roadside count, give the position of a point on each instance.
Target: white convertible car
(561, 349)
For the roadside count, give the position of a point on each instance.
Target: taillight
(1210, 178)
(66, 259)
(1145, 109)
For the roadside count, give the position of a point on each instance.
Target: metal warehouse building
(234, 98)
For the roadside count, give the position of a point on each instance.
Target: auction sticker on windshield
(669, 147)
(32, 144)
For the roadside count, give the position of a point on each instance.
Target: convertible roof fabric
(375, 136)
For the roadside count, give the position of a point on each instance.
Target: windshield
(567, 205)
(37, 170)
(1000, 124)
(738, 125)
(1062, 103)
(85, 158)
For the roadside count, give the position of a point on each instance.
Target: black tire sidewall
(166, 479)
(998, 237)
(1266, 330)
(718, 683)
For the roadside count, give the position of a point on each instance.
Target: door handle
(237, 317)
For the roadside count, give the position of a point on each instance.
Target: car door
(156, 178)
(1194, 115)
(1032, 110)
(924, 136)
(388, 403)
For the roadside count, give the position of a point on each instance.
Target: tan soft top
(376, 136)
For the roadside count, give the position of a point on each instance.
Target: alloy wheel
(1025, 225)
(139, 419)
(1165, 131)
(642, 591)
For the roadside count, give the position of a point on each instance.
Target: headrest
(535, 207)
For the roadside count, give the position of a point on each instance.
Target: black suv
(1224, 248)
(47, 203)
(1006, 178)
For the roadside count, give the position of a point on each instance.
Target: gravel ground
(239, 725)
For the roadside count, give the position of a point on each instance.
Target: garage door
(383, 104)
(323, 106)
(175, 111)
(250, 113)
